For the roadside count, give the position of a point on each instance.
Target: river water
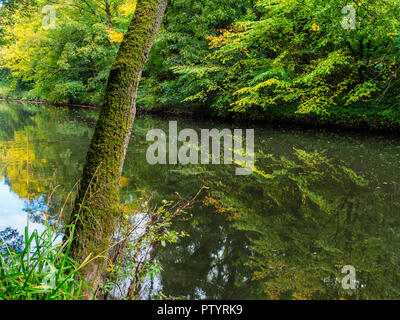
(316, 201)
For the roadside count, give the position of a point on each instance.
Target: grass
(42, 270)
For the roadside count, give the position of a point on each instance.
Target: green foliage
(40, 268)
(182, 45)
(71, 62)
(259, 59)
(298, 53)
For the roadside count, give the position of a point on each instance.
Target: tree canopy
(247, 58)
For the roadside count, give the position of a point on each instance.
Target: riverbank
(360, 118)
(50, 103)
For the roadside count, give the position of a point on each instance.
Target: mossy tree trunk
(97, 204)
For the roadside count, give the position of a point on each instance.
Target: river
(316, 201)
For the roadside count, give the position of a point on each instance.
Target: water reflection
(13, 212)
(316, 201)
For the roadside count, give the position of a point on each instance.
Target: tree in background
(302, 57)
(251, 58)
(182, 43)
(70, 62)
(97, 203)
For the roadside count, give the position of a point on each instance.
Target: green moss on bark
(97, 203)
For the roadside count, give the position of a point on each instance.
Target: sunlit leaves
(298, 53)
(71, 62)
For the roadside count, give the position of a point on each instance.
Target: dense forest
(287, 59)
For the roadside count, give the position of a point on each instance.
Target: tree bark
(97, 204)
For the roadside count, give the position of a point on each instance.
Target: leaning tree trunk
(97, 204)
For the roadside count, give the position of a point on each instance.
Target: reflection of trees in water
(41, 153)
(10, 241)
(290, 226)
(208, 264)
(294, 223)
(316, 217)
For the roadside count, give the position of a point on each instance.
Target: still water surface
(316, 201)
